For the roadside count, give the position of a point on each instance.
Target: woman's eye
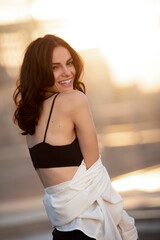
(70, 63)
(55, 68)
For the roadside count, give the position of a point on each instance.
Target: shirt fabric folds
(89, 203)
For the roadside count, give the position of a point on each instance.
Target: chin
(65, 89)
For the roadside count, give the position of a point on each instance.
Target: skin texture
(71, 116)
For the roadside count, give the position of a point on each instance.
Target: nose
(65, 71)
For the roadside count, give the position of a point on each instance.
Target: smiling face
(63, 69)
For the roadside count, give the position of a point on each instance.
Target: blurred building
(127, 120)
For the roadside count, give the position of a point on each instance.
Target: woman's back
(60, 129)
(58, 137)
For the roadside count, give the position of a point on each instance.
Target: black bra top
(45, 155)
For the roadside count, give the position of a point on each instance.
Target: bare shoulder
(73, 95)
(73, 98)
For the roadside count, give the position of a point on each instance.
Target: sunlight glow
(126, 138)
(133, 49)
(147, 180)
(81, 25)
(126, 32)
(12, 11)
(49, 9)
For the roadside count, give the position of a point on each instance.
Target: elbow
(90, 160)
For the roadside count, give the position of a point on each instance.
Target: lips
(66, 82)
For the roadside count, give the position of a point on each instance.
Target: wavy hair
(36, 75)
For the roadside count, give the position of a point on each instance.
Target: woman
(53, 112)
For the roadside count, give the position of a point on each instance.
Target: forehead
(60, 54)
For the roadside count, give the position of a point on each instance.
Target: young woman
(53, 112)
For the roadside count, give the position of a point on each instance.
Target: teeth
(66, 82)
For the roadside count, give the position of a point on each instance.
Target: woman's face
(63, 69)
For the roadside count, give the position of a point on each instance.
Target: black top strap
(49, 117)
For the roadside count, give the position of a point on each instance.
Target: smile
(65, 82)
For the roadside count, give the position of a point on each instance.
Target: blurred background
(119, 41)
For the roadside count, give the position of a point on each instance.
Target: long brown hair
(36, 75)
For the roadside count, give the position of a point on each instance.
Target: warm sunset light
(119, 44)
(128, 138)
(126, 32)
(14, 11)
(49, 9)
(147, 180)
(133, 51)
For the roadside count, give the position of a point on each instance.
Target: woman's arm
(84, 126)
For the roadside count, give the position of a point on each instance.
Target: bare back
(61, 131)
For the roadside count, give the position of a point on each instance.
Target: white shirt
(89, 203)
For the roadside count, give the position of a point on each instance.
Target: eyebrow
(56, 63)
